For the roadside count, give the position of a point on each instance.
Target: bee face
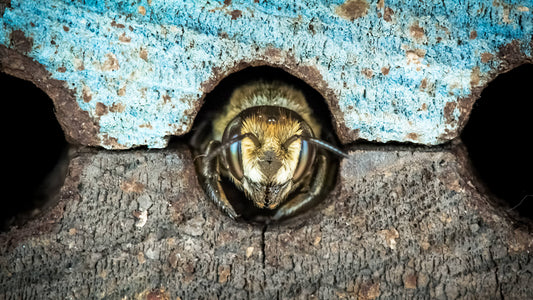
(271, 160)
(264, 142)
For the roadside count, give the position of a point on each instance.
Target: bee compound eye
(305, 160)
(234, 160)
(232, 155)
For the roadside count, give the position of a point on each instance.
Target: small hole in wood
(498, 137)
(33, 145)
(215, 103)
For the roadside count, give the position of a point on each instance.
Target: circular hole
(498, 137)
(33, 145)
(215, 102)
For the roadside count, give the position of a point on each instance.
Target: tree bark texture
(402, 222)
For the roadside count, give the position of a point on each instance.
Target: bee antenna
(320, 143)
(230, 142)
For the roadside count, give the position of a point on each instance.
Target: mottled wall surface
(129, 73)
(400, 224)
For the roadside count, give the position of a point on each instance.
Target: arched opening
(498, 137)
(33, 145)
(219, 97)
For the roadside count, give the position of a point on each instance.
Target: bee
(266, 142)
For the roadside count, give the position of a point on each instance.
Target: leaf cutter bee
(266, 141)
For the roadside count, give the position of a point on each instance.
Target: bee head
(265, 154)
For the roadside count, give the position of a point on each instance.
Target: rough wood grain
(400, 223)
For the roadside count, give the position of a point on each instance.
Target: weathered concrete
(129, 73)
(401, 223)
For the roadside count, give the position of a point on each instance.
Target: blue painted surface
(146, 60)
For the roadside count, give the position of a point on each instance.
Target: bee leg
(322, 179)
(211, 181)
(199, 135)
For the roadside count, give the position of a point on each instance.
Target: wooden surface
(129, 73)
(402, 222)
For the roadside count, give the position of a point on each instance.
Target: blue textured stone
(391, 70)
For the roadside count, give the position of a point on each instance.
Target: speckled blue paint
(165, 50)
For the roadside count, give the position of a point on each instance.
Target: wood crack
(263, 245)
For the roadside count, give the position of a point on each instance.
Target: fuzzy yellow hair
(261, 93)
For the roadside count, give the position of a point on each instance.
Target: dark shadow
(498, 137)
(218, 98)
(32, 146)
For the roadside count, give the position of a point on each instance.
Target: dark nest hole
(216, 100)
(34, 144)
(498, 137)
